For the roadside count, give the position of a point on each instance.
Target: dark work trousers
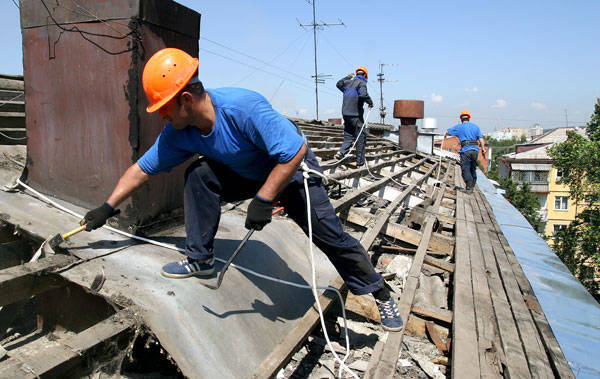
(208, 182)
(468, 165)
(352, 126)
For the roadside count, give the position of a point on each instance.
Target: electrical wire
(293, 63)
(12, 138)
(5, 102)
(301, 85)
(256, 59)
(272, 60)
(85, 34)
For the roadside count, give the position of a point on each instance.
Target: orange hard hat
(165, 74)
(364, 69)
(465, 113)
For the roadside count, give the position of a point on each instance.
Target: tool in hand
(246, 238)
(224, 270)
(60, 238)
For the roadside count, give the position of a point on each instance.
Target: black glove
(259, 213)
(97, 217)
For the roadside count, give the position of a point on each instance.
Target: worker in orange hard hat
(355, 96)
(249, 151)
(471, 140)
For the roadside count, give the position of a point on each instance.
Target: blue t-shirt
(249, 137)
(467, 131)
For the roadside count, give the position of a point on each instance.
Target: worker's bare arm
(280, 175)
(481, 142)
(131, 180)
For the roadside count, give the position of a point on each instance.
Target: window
(530, 176)
(561, 203)
(558, 227)
(559, 174)
(540, 177)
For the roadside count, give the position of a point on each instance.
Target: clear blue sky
(511, 63)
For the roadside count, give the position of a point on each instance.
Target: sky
(510, 63)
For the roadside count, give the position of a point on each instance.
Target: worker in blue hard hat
(471, 140)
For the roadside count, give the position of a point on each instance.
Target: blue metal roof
(572, 312)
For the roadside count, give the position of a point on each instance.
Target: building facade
(531, 164)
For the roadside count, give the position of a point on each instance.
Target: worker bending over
(355, 96)
(248, 150)
(471, 140)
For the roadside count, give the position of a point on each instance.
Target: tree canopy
(578, 245)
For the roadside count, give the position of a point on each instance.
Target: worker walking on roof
(355, 96)
(470, 138)
(250, 151)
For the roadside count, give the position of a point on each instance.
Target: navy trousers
(468, 166)
(207, 183)
(352, 126)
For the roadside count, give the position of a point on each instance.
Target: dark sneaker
(390, 316)
(338, 155)
(188, 267)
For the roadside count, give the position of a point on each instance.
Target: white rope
(357, 137)
(312, 287)
(316, 295)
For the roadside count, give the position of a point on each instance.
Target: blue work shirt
(248, 136)
(466, 131)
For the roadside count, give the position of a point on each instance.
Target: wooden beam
(352, 196)
(465, 357)
(428, 311)
(447, 266)
(435, 337)
(21, 282)
(59, 360)
(559, 363)
(438, 242)
(290, 343)
(386, 367)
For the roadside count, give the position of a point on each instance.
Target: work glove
(97, 217)
(259, 213)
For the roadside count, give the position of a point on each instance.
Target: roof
(537, 154)
(556, 135)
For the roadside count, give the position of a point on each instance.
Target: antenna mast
(315, 26)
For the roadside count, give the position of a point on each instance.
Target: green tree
(525, 201)
(578, 245)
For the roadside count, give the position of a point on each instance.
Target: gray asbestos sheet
(572, 312)
(225, 333)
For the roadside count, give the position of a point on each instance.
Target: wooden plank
(290, 343)
(537, 345)
(386, 367)
(465, 357)
(435, 338)
(559, 363)
(428, 311)
(369, 237)
(58, 359)
(364, 306)
(21, 282)
(447, 266)
(487, 334)
(351, 197)
(438, 242)
(516, 364)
